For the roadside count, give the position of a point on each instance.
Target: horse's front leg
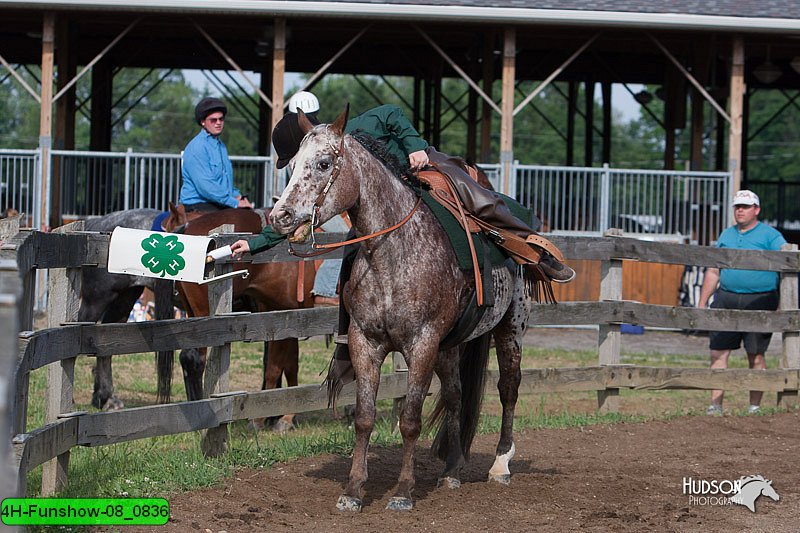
(367, 361)
(420, 360)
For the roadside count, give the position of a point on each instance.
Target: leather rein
(325, 248)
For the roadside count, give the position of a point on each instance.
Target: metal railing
(18, 182)
(779, 205)
(96, 183)
(676, 205)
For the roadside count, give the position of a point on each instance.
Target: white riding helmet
(303, 100)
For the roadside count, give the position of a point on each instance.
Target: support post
(507, 105)
(216, 378)
(64, 290)
(46, 114)
(738, 89)
(278, 71)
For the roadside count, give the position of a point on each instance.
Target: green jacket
(386, 123)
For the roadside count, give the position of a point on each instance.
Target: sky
(621, 100)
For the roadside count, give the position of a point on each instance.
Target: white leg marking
(500, 469)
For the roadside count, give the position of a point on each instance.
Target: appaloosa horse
(268, 287)
(405, 294)
(109, 298)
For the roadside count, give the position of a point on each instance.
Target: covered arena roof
(739, 15)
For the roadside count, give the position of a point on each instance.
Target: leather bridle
(325, 248)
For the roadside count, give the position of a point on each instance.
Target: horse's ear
(172, 208)
(303, 122)
(341, 120)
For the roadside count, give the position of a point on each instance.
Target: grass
(171, 464)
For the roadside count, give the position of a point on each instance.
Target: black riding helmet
(208, 105)
(287, 136)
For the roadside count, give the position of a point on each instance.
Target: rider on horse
(388, 124)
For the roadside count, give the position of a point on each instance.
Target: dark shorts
(731, 340)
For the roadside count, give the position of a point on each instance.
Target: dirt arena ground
(622, 477)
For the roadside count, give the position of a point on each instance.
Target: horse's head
(176, 218)
(318, 189)
(768, 491)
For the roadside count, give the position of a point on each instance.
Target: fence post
(791, 339)
(64, 292)
(9, 331)
(216, 378)
(398, 365)
(609, 336)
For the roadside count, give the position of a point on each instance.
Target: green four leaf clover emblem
(163, 254)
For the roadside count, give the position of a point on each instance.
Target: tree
(20, 125)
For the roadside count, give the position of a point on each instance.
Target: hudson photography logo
(743, 491)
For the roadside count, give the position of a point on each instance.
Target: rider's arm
(400, 127)
(265, 240)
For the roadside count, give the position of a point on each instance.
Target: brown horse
(269, 287)
(405, 294)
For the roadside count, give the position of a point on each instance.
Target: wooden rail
(59, 345)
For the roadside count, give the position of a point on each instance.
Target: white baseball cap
(745, 197)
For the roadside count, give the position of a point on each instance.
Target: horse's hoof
(113, 404)
(399, 503)
(503, 479)
(282, 426)
(348, 503)
(451, 482)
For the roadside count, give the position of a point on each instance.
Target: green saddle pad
(484, 248)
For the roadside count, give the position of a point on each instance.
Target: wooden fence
(58, 346)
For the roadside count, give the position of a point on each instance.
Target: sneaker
(557, 271)
(714, 410)
(753, 409)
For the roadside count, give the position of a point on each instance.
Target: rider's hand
(239, 248)
(418, 159)
(245, 203)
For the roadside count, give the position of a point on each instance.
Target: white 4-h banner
(158, 255)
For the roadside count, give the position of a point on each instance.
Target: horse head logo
(751, 487)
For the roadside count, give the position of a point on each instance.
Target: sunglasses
(215, 120)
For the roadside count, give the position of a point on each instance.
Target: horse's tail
(472, 370)
(163, 290)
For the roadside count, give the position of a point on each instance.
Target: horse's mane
(380, 151)
(748, 479)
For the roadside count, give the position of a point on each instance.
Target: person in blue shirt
(206, 168)
(742, 289)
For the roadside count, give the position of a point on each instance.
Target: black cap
(208, 105)
(287, 136)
